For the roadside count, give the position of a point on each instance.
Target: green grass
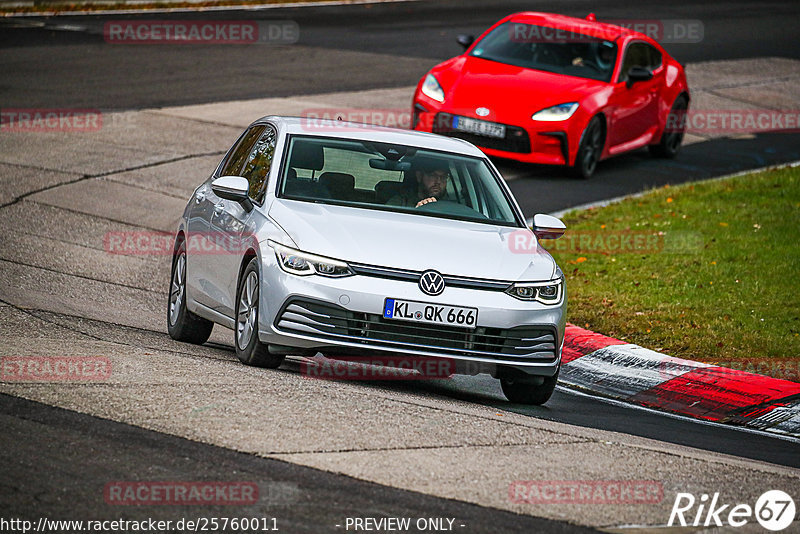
(721, 285)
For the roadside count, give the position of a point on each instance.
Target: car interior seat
(340, 185)
(307, 156)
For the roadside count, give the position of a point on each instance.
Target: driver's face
(433, 183)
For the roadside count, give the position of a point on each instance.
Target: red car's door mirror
(465, 40)
(639, 74)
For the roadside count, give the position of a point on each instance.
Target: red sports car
(551, 89)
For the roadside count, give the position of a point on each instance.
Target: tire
(521, 391)
(182, 324)
(590, 149)
(249, 349)
(671, 141)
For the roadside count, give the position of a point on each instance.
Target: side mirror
(465, 40)
(639, 74)
(233, 188)
(547, 226)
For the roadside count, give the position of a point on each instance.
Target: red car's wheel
(591, 147)
(672, 137)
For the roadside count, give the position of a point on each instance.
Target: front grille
(336, 324)
(414, 276)
(516, 139)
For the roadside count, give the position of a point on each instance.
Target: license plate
(489, 129)
(425, 312)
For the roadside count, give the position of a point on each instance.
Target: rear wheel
(590, 149)
(182, 324)
(674, 130)
(249, 349)
(522, 390)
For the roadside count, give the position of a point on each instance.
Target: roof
(368, 132)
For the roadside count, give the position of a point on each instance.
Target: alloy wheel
(248, 310)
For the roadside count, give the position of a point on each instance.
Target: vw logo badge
(482, 112)
(431, 283)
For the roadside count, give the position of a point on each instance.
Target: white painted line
(625, 370)
(783, 419)
(331, 3)
(621, 404)
(68, 28)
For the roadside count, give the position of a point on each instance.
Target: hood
(470, 82)
(412, 242)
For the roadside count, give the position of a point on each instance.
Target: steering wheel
(591, 63)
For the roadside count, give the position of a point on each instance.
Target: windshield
(393, 177)
(549, 49)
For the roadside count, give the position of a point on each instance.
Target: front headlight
(545, 292)
(432, 89)
(303, 264)
(560, 112)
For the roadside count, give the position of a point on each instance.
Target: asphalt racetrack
(320, 451)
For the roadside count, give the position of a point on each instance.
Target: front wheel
(182, 324)
(249, 349)
(522, 391)
(590, 149)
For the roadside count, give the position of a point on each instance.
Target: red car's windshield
(549, 49)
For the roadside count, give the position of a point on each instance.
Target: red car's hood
(506, 90)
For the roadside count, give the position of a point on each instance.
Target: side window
(636, 55)
(256, 169)
(655, 58)
(235, 162)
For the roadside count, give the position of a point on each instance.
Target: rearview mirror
(233, 188)
(547, 226)
(465, 40)
(389, 165)
(639, 74)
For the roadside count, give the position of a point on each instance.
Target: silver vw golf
(344, 239)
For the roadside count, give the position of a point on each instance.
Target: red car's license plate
(489, 129)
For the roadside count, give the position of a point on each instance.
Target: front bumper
(343, 316)
(546, 143)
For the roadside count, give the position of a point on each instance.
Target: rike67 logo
(774, 510)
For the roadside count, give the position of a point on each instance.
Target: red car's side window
(639, 54)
